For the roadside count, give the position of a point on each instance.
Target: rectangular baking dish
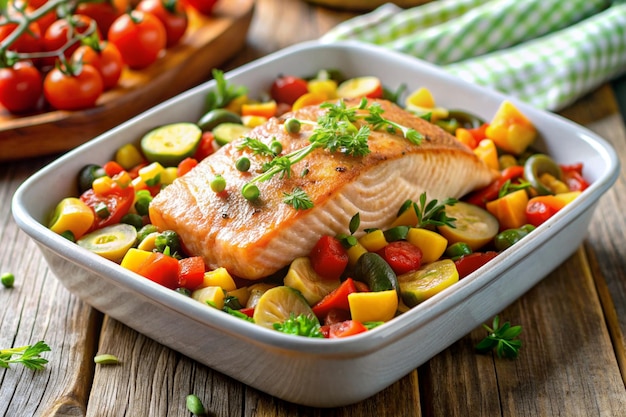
(314, 372)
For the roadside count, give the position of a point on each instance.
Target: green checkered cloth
(545, 52)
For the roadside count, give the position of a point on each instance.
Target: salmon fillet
(254, 239)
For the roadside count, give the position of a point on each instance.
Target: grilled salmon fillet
(254, 239)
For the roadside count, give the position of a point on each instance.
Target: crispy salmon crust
(254, 239)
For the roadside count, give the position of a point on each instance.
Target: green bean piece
(8, 279)
(292, 125)
(106, 359)
(218, 184)
(243, 164)
(250, 192)
(194, 405)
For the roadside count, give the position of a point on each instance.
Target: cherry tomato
(328, 257)
(467, 264)
(140, 38)
(205, 7)
(287, 89)
(171, 13)
(59, 34)
(541, 208)
(402, 256)
(118, 201)
(108, 61)
(206, 147)
(160, 268)
(20, 87)
(73, 92)
(29, 41)
(572, 176)
(104, 12)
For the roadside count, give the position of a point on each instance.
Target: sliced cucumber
(302, 277)
(372, 269)
(475, 226)
(430, 279)
(277, 304)
(227, 132)
(111, 242)
(170, 144)
(216, 117)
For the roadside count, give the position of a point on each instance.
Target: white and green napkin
(545, 52)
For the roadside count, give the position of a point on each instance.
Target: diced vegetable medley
(348, 283)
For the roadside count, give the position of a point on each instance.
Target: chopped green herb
(298, 199)
(29, 356)
(508, 187)
(301, 325)
(238, 314)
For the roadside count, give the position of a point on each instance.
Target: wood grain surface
(571, 363)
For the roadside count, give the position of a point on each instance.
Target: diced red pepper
(206, 146)
(185, 166)
(336, 299)
(336, 315)
(161, 269)
(345, 328)
(402, 256)
(490, 192)
(191, 272)
(248, 311)
(112, 168)
(479, 133)
(467, 264)
(329, 258)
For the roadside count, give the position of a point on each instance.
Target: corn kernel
(128, 156)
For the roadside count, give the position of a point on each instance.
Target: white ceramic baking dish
(317, 372)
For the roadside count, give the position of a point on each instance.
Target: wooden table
(572, 363)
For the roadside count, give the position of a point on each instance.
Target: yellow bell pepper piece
(510, 210)
(149, 242)
(373, 306)
(128, 156)
(510, 129)
(213, 296)
(568, 197)
(168, 175)
(308, 99)
(151, 172)
(253, 120)
(355, 252)
(326, 87)
(432, 244)
(72, 214)
(219, 278)
(422, 97)
(373, 241)
(407, 218)
(266, 109)
(465, 137)
(134, 259)
(235, 104)
(487, 152)
(555, 185)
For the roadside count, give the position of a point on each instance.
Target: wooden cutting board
(365, 5)
(208, 43)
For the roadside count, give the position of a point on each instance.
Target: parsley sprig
(501, 338)
(300, 325)
(29, 356)
(224, 92)
(298, 199)
(430, 213)
(334, 131)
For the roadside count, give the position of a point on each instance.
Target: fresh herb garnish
(256, 146)
(238, 314)
(223, 94)
(501, 338)
(298, 199)
(431, 213)
(301, 325)
(29, 356)
(508, 187)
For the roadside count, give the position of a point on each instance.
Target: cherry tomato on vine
(139, 36)
(171, 13)
(205, 7)
(107, 60)
(20, 87)
(287, 89)
(65, 91)
(58, 35)
(29, 41)
(104, 12)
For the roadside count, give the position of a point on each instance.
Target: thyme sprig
(430, 213)
(334, 131)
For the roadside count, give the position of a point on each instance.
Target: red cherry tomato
(73, 92)
(20, 87)
(328, 257)
(402, 256)
(29, 41)
(467, 264)
(108, 61)
(140, 38)
(541, 208)
(160, 268)
(287, 89)
(58, 35)
(171, 13)
(205, 7)
(573, 177)
(118, 201)
(104, 12)
(206, 147)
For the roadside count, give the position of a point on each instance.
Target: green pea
(458, 249)
(218, 184)
(8, 279)
(276, 147)
(242, 164)
(292, 125)
(143, 198)
(508, 238)
(194, 405)
(250, 192)
(168, 238)
(145, 231)
(133, 219)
